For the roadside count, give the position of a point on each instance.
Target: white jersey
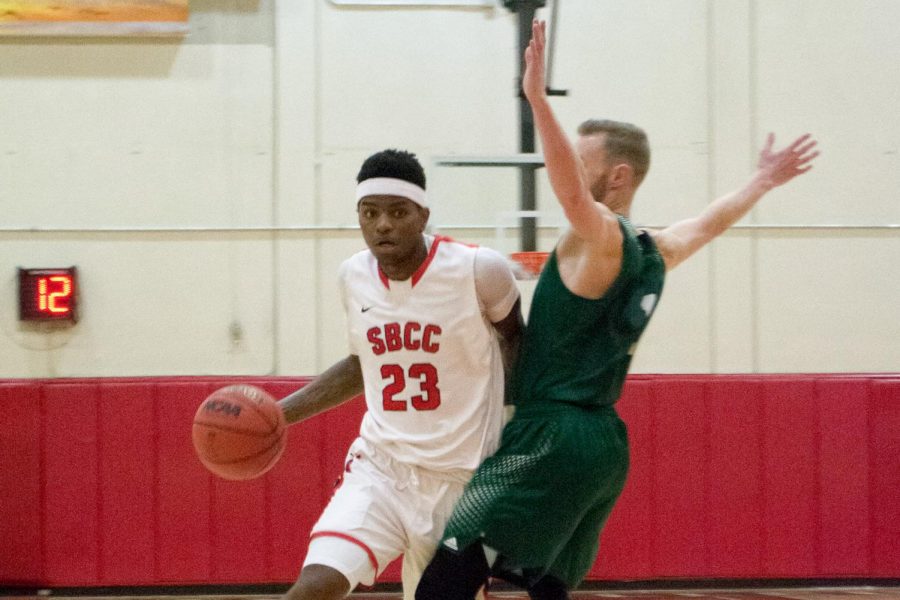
(430, 359)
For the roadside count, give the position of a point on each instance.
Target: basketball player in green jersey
(534, 510)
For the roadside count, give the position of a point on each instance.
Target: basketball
(239, 432)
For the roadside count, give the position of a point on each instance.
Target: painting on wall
(93, 17)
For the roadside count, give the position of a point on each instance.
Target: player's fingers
(538, 33)
(805, 148)
(799, 141)
(535, 42)
(806, 159)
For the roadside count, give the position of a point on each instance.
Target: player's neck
(619, 204)
(403, 268)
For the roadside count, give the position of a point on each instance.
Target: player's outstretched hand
(533, 81)
(777, 168)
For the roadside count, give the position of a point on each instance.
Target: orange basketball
(239, 432)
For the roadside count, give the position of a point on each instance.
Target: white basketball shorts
(381, 510)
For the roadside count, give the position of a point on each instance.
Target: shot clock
(48, 294)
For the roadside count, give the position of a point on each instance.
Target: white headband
(389, 186)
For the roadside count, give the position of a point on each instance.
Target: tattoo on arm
(341, 382)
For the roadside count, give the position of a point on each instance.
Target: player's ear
(426, 213)
(620, 176)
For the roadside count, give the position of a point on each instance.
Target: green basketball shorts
(543, 498)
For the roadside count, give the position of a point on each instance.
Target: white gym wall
(204, 186)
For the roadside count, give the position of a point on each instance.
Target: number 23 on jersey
(397, 380)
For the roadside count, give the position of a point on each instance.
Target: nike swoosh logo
(364, 308)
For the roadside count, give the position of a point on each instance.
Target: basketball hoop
(531, 262)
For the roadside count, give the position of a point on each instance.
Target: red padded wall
(884, 481)
(790, 436)
(843, 476)
(21, 484)
(775, 476)
(127, 483)
(758, 476)
(71, 502)
(734, 545)
(184, 488)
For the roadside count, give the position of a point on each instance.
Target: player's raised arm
(589, 219)
(680, 240)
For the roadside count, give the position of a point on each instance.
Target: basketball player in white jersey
(431, 325)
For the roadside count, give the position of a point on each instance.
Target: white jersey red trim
(430, 359)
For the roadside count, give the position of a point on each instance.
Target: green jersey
(578, 350)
